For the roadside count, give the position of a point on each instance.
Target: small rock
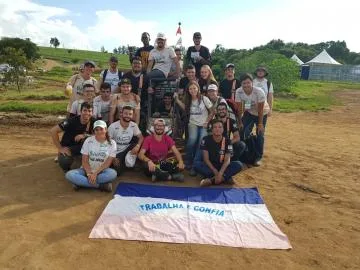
(325, 196)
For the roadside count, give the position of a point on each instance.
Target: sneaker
(192, 172)
(106, 187)
(178, 177)
(153, 178)
(75, 187)
(257, 163)
(205, 182)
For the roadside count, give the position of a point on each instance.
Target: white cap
(161, 36)
(100, 123)
(130, 160)
(212, 87)
(89, 82)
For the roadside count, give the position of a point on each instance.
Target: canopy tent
(297, 59)
(323, 58)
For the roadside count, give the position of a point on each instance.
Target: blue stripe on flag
(210, 195)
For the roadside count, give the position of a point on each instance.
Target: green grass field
(78, 56)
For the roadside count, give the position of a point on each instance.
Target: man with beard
(217, 149)
(198, 55)
(144, 52)
(111, 75)
(76, 130)
(231, 130)
(154, 154)
(161, 59)
(128, 138)
(229, 84)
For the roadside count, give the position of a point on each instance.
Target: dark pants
(248, 121)
(162, 171)
(233, 168)
(238, 149)
(65, 161)
(121, 156)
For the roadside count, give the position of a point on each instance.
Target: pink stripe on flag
(183, 230)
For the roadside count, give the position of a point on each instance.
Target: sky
(239, 24)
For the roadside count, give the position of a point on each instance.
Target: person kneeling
(156, 148)
(97, 154)
(216, 166)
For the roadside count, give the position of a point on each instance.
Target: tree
(18, 61)
(29, 48)
(115, 51)
(55, 42)
(102, 49)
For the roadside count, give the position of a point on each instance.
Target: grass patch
(310, 96)
(48, 108)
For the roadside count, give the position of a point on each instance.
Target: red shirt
(157, 150)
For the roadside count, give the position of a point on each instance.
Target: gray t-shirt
(163, 59)
(199, 111)
(251, 101)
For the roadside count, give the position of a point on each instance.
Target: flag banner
(235, 217)
(178, 31)
(179, 42)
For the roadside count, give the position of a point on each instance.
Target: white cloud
(297, 21)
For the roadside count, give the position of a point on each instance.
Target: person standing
(97, 152)
(262, 82)
(144, 51)
(229, 84)
(253, 111)
(76, 130)
(198, 55)
(216, 166)
(111, 75)
(101, 103)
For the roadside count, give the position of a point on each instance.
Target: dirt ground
(309, 181)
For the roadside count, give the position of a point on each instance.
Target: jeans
(238, 148)
(233, 168)
(249, 121)
(154, 75)
(65, 161)
(79, 178)
(192, 148)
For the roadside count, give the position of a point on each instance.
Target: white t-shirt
(98, 152)
(263, 85)
(123, 136)
(251, 101)
(76, 107)
(163, 59)
(111, 78)
(77, 83)
(101, 108)
(199, 112)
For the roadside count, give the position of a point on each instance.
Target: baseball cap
(89, 62)
(89, 82)
(161, 36)
(113, 59)
(100, 123)
(125, 81)
(230, 65)
(212, 87)
(197, 35)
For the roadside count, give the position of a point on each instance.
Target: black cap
(113, 59)
(197, 35)
(89, 63)
(125, 81)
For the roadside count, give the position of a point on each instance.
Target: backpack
(268, 83)
(120, 74)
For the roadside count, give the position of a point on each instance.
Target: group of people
(106, 116)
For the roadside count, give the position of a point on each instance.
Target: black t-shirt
(143, 53)
(204, 85)
(191, 57)
(162, 109)
(230, 126)
(226, 87)
(73, 127)
(216, 150)
(184, 83)
(135, 81)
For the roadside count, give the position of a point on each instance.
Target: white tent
(323, 58)
(297, 59)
